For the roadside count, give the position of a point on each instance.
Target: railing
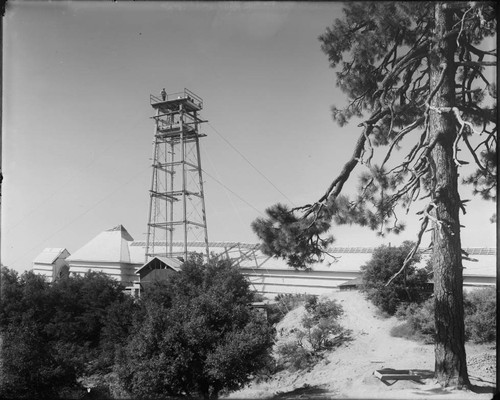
(186, 94)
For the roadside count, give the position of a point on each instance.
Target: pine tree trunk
(450, 359)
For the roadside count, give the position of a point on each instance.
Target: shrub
(324, 309)
(31, 369)
(55, 333)
(294, 356)
(317, 333)
(198, 338)
(480, 315)
(285, 302)
(419, 321)
(320, 332)
(410, 286)
(479, 312)
(404, 330)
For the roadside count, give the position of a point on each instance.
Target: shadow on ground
(474, 389)
(305, 392)
(482, 389)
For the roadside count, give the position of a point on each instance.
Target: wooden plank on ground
(396, 375)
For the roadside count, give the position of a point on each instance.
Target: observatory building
(177, 226)
(118, 255)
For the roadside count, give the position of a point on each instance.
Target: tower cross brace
(176, 201)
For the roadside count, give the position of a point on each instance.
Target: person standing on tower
(163, 94)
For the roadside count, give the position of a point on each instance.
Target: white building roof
(117, 246)
(50, 255)
(346, 258)
(110, 246)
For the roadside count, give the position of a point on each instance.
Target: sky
(77, 133)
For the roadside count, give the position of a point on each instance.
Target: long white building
(115, 253)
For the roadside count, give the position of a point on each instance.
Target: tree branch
(414, 250)
(476, 64)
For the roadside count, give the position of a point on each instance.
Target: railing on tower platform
(186, 94)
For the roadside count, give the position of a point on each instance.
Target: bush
(321, 310)
(480, 315)
(419, 321)
(318, 332)
(55, 333)
(285, 302)
(404, 330)
(411, 286)
(294, 357)
(31, 369)
(479, 312)
(198, 337)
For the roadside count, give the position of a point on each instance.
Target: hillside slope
(347, 372)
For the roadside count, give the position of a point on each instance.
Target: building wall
(155, 276)
(274, 281)
(124, 273)
(43, 269)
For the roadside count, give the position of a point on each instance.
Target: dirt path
(347, 372)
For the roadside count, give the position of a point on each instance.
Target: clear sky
(77, 133)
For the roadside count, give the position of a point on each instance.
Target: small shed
(157, 270)
(351, 284)
(51, 263)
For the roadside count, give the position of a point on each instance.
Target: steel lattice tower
(177, 204)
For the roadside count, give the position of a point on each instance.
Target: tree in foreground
(30, 368)
(408, 287)
(197, 335)
(417, 76)
(54, 333)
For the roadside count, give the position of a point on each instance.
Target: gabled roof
(108, 246)
(50, 255)
(173, 263)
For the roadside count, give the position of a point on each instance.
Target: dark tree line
(54, 333)
(192, 335)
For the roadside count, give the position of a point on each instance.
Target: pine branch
(476, 64)
(414, 250)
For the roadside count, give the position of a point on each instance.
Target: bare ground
(347, 372)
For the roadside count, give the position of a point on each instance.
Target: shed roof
(173, 263)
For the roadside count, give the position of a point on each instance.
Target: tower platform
(189, 101)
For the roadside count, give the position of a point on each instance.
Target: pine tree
(416, 74)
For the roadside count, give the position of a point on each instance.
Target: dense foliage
(480, 318)
(481, 315)
(194, 334)
(198, 335)
(54, 333)
(411, 286)
(418, 321)
(281, 235)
